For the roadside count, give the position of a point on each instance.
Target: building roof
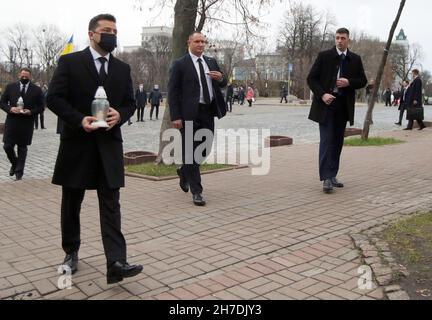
(401, 36)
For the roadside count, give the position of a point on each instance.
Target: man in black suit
(333, 79)
(90, 157)
(141, 101)
(402, 104)
(414, 99)
(195, 98)
(19, 122)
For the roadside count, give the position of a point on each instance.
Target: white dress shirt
(336, 89)
(96, 55)
(208, 78)
(25, 86)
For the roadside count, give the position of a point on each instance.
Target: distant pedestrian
(284, 94)
(414, 101)
(155, 100)
(250, 96)
(141, 101)
(387, 97)
(402, 104)
(41, 114)
(241, 95)
(229, 97)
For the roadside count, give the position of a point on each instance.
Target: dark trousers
(157, 111)
(284, 97)
(332, 131)
(17, 161)
(388, 102)
(411, 123)
(229, 103)
(36, 120)
(401, 113)
(191, 171)
(109, 210)
(140, 113)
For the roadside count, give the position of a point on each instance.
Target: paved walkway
(260, 237)
(281, 119)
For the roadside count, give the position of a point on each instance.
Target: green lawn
(411, 239)
(150, 169)
(372, 141)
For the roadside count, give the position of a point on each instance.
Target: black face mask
(108, 42)
(24, 81)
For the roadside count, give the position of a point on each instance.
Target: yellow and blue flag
(69, 47)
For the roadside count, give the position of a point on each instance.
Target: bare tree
(209, 13)
(368, 119)
(49, 42)
(17, 49)
(304, 34)
(404, 58)
(228, 53)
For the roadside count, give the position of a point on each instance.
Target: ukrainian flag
(68, 47)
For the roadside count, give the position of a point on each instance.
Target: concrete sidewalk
(259, 237)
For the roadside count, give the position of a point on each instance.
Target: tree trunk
(185, 14)
(371, 103)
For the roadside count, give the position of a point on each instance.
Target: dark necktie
(23, 91)
(102, 72)
(342, 65)
(204, 85)
(341, 72)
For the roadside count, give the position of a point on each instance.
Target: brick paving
(272, 237)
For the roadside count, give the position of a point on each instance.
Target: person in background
(250, 96)
(141, 101)
(19, 123)
(402, 104)
(229, 97)
(155, 99)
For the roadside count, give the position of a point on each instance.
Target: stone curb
(151, 178)
(377, 255)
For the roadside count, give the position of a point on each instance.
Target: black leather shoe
(117, 271)
(336, 183)
(398, 123)
(18, 176)
(407, 129)
(198, 200)
(327, 186)
(421, 128)
(184, 185)
(12, 170)
(71, 260)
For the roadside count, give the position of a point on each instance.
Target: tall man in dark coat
(414, 99)
(19, 123)
(333, 79)
(89, 157)
(141, 101)
(195, 97)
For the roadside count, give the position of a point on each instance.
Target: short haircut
(26, 70)
(343, 31)
(194, 33)
(94, 22)
(416, 71)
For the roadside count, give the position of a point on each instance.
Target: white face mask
(141, 87)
